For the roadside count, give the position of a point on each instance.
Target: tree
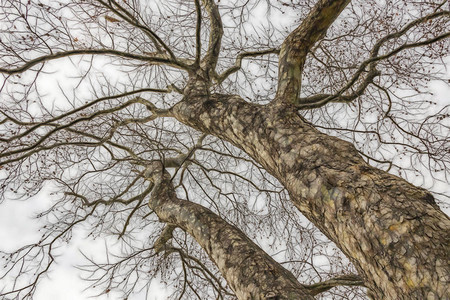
(201, 132)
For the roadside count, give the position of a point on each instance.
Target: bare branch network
(232, 149)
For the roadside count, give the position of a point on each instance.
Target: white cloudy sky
(63, 282)
(17, 227)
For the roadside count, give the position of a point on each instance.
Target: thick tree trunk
(392, 231)
(250, 272)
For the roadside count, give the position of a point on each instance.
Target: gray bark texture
(392, 231)
(250, 272)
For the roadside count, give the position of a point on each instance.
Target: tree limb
(164, 237)
(250, 272)
(338, 97)
(198, 32)
(298, 44)
(124, 14)
(237, 65)
(348, 280)
(58, 127)
(320, 100)
(156, 59)
(215, 35)
(51, 122)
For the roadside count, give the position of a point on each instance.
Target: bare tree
(237, 149)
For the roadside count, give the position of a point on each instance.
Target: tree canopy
(242, 149)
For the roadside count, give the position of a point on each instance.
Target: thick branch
(198, 33)
(297, 45)
(215, 35)
(164, 237)
(250, 272)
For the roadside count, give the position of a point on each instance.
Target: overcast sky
(63, 281)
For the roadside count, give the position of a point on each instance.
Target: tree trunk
(250, 272)
(392, 231)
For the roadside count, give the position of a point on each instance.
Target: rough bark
(250, 272)
(298, 44)
(392, 231)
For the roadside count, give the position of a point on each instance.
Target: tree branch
(30, 288)
(164, 237)
(117, 199)
(37, 146)
(215, 282)
(347, 280)
(124, 14)
(298, 44)
(198, 32)
(215, 36)
(250, 272)
(320, 100)
(127, 222)
(73, 122)
(156, 59)
(51, 122)
(237, 65)
(371, 62)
